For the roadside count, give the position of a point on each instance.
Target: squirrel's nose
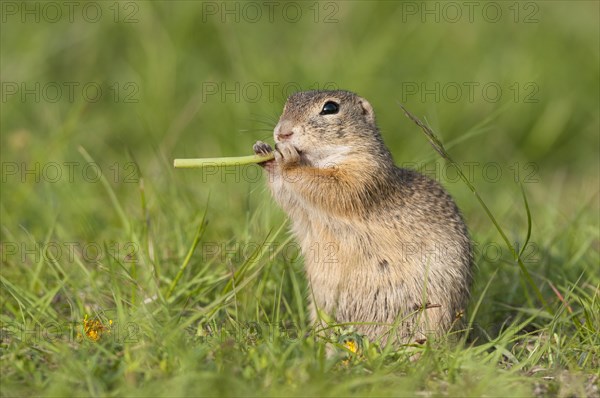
(283, 131)
(283, 135)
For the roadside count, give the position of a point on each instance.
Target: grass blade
(188, 257)
(528, 221)
(439, 147)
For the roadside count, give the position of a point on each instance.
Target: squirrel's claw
(262, 148)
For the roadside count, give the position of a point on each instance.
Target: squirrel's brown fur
(382, 245)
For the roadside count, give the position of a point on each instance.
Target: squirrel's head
(327, 126)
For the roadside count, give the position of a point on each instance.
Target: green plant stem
(222, 162)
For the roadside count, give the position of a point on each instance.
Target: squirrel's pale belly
(359, 273)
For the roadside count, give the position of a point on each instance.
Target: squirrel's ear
(367, 109)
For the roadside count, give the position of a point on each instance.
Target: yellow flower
(351, 345)
(352, 341)
(94, 328)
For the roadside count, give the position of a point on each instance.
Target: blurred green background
(512, 89)
(516, 83)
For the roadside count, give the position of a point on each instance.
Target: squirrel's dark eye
(330, 108)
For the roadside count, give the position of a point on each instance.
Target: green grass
(196, 268)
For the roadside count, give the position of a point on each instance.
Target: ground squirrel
(382, 245)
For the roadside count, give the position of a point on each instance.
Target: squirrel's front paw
(286, 154)
(262, 148)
